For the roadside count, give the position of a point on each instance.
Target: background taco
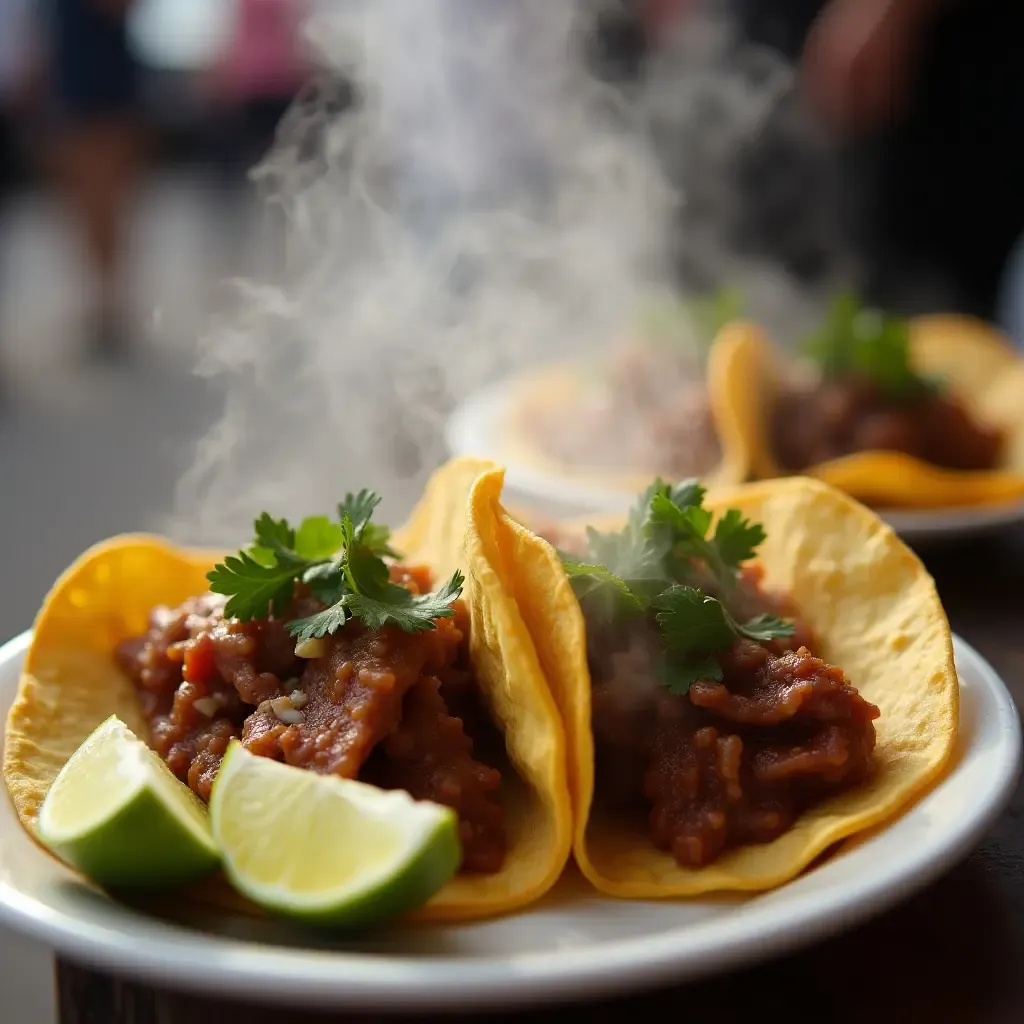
(922, 413)
(656, 404)
(719, 750)
(104, 643)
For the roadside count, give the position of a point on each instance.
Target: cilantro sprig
(343, 564)
(661, 566)
(860, 340)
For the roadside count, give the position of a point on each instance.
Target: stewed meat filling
(734, 761)
(361, 703)
(850, 414)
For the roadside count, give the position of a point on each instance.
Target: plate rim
(471, 429)
(165, 953)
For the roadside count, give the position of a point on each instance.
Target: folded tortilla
(70, 682)
(982, 371)
(878, 616)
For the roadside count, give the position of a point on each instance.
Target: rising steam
(463, 196)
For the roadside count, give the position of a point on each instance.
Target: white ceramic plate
(573, 945)
(476, 428)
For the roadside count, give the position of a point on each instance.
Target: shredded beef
(353, 697)
(204, 680)
(431, 757)
(734, 761)
(839, 417)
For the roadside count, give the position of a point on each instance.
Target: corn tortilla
(70, 682)
(982, 371)
(877, 612)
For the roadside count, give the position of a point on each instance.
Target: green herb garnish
(659, 566)
(342, 562)
(856, 339)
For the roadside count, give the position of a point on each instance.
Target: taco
(920, 413)
(744, 680)
(655, 404)
(411, 686)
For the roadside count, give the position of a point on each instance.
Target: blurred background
(126, 132)
(127, 128)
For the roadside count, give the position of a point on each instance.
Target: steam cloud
(477, 200)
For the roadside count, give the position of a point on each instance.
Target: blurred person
(924, 95)
(96, 145)
(921, 98)
(14, 86)
(14, 69)
(251, 85)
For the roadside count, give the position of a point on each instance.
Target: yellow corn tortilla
(876, 610)
(559, 385)
(70, 682)
(982, 370)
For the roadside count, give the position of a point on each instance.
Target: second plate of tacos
(911, 415)
(745, 681)
(655, 403)
(323, 648)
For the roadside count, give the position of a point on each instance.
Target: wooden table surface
(953, 953)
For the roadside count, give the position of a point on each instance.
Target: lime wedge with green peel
(328, 851)
(118, 814)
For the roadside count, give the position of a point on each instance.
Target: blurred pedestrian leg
(96, 146)
(14, 82)
(252, 84)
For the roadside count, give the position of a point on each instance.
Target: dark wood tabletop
(954, 953)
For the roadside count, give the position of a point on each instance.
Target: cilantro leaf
(274, 541)
(765, 627)
(324, 623)
(737, 539)
(367, 573)
(606, 595)
(326, 581)
(393, 606)
(688, 492)
(273, 533)
(679, 676)
(253, 589)
(359, 508)
(343, 565)
(653, 565)
(690, 521)
(277, 543)
(376, 538)
(690, 525)
(667, 532)
(691, 622)
(317, 537)
(855, 339)
(413, 613)
(693, 627)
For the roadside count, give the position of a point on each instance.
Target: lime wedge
(118, 814)
(328, 851)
